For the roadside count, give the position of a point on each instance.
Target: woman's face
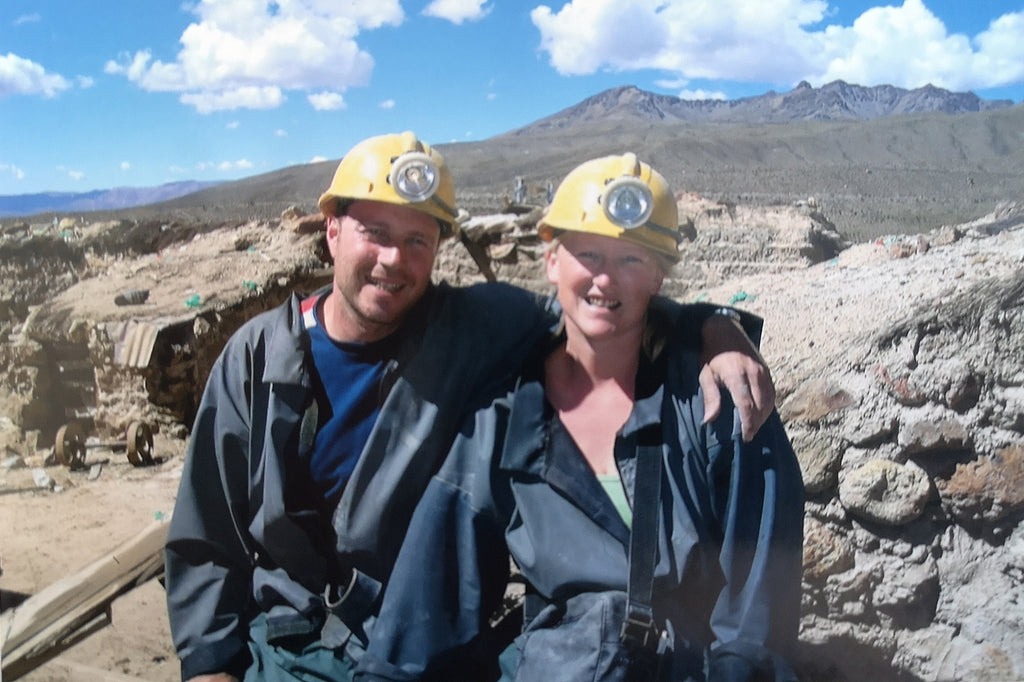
(604, 284)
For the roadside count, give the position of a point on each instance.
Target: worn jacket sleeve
(450, 575)
(758, 499)
(688, 320)
(208, 569)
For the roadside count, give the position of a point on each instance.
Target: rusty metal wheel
(139, 438)
(69, 445)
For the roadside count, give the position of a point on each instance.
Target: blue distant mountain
(96, 200)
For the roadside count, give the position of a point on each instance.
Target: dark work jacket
(727, 575)
(238, 546)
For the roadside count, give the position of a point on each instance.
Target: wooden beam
(76, 606)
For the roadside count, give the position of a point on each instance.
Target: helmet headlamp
(616, 196)
(396, 169)
(627, 202)
(414, 176)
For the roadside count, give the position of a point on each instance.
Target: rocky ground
(900, 381)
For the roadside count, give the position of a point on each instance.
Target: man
(323, 420)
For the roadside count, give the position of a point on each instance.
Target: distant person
(323, 420)
(654, 546)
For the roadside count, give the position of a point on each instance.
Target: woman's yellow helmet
(396, 169)
(616, 196)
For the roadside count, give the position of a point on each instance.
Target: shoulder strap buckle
(638, 628)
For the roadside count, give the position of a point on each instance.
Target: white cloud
(1001, 50)
(246, 97)
(232, 125)
(909, 46)
(244, 45)
(19, 76)
(699, 94)
(27, 19)
(125, 166)
(133, 67)
(387, 104)
(326, 101)
(457, 11)
(491, 96)
(241, 164)
(76, 175)
(779, 42)
(586, 35)
(13, 170)
(224, 166)
(85, 82)
(280, 133)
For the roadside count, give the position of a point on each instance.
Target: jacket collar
(532, 431)
(288, 343)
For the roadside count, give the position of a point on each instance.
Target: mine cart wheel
(139, 443)
(69, 445)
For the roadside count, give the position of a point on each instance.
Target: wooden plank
(74, 607)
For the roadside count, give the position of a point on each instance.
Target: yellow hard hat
(616, 196)
(396, 169)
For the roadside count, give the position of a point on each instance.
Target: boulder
(885, 492)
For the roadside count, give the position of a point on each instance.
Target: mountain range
(878, 159)
(96, 200)
(836, 101)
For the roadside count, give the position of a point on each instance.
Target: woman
(653, 546)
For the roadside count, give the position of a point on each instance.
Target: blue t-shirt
(349, 396)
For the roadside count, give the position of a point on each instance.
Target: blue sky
(136, 93)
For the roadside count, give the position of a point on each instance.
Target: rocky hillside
(897, 361)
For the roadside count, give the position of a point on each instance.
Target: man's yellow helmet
(616, 196)
(396, 169)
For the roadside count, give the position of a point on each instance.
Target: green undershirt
(612, 485)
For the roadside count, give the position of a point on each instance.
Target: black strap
(639, 627)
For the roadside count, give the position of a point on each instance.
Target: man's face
(383, 255)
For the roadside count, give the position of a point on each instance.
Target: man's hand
(731, 360)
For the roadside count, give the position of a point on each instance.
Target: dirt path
(45, 535)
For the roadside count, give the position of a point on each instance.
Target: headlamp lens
(414, 176)
(628, 202)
